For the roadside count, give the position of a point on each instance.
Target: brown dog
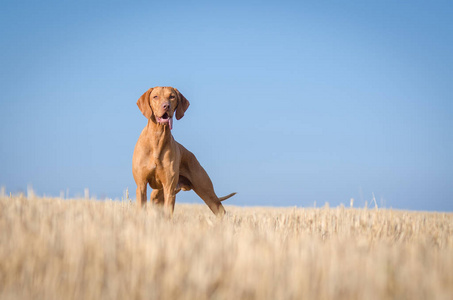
(162, 162)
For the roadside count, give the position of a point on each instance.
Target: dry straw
(86, 249)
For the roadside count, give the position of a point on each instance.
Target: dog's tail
(226, 197)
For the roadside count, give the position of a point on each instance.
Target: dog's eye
(172, 96)
(155, 97)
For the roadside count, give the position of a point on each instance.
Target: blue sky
(292, 102)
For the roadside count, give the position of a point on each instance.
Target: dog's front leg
(141, 194)
(170, 192)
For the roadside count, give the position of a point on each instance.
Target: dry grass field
(85, 249)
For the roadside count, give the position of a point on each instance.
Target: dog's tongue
(170, 123)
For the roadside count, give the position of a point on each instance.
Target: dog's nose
(166, 106)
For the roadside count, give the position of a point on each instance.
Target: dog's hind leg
(202, 186)
(157, 197)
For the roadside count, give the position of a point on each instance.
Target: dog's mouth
(165, 119)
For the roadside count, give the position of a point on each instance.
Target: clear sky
(292, 102)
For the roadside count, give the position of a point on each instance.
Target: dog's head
(160, 104)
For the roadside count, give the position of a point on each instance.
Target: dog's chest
(157, 171)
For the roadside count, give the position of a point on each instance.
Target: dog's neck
(158, 136)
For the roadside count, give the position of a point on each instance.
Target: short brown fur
(162, 162)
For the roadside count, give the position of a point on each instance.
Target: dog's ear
(144, 105)
(183, 105)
